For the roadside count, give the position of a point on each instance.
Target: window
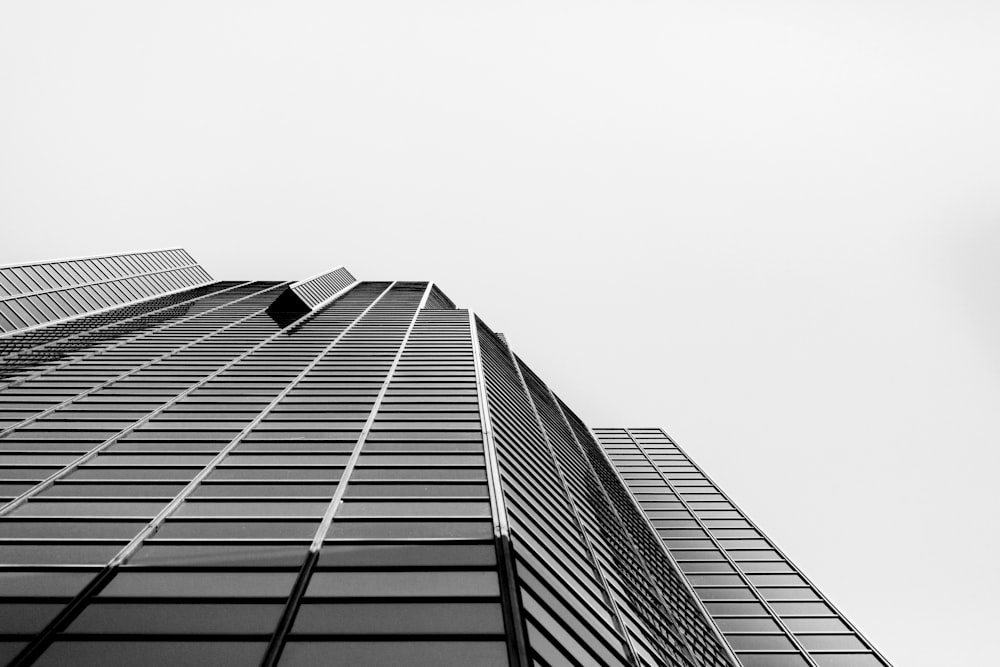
(199, 584)
(399, 618)
(403, 584)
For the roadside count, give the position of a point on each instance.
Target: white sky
(772, 228)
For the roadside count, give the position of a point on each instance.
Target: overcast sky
(772, 228)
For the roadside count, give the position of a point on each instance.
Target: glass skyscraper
(344, 472)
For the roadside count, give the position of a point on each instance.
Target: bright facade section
(769, 612)
(206, 478)
(42, 292)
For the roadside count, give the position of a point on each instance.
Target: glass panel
(218, 555)
(830, 643)
(815, 624)
(71, 529)
(411, 508)
(264, 490)
(392, 654)
(399, 618)
(847, 660)
(177, 618)
(57, 554)
(403, 584)
(27, 617)
(238, 529)
(38, 584)
(416, 490)
(153, 653)
(263, 508)
(746, 625)
(760, 642)
(772, 660)
(200, 584)
(378, 555)
(411, 529)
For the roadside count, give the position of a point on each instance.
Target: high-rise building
(339, 472)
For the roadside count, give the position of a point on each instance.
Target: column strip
(277, 644)
(510, 598)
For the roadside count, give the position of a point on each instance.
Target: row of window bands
(208, 507)
(764, 659)
(261, 618)
(230, 489)
(153, 652)
(239, 543)
(27, 311)
(50, 275)
(428, 474)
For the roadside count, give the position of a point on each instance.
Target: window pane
(167, 618)
(200, 584)
(36, 584)
(153, 653)
(376, 555)
(220, 555)
(410, 529)
(401, 618)
(403, 584)
(238, 529)
(393, 654)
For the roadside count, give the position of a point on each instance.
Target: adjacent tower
(345, 472)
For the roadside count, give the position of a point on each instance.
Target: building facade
(344, 472)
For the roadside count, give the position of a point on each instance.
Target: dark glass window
(410, 529)
(830, 642)
(167, 618)
(25, 583)
(26, 617)
(403, 584)
(399, 618)
(238, 529)
(760, 642)
(153, 653)
(416, 555)
(389, 654)
(217, 555)
(847, 660)
(200, 584)
(828, 624)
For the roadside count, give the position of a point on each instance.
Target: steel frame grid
(41, 641)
